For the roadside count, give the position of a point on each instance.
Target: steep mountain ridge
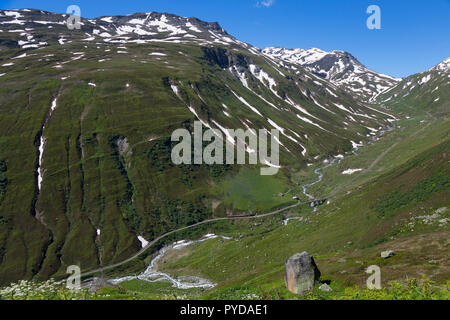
(339, 67)
(429, 91)
(38, 28)
(263, 81)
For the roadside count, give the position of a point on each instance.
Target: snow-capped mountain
(297, 95)
(33, 28)
(443, 66)
(339, 67)
(429, 89)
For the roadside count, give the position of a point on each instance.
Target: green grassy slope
(390, 212)
(90, 184)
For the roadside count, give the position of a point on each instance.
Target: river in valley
(152, 274)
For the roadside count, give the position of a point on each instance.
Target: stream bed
(151, 274)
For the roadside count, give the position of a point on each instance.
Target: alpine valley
(86, 177)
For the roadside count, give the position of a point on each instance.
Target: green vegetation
(87, 185)
(49, 290)
(413, 289)
(410, 138)
(350, 228)
(250, 192)
(434, 183)
(3, 177)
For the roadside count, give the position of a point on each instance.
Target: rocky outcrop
(325, 287)
(226, 58)
(387, 254)
(301, 273)
(123, 146)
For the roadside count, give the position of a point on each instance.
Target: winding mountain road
(150, 244)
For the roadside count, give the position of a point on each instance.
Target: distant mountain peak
(340, 67)
(443, 66)
(141, 27)
(430, 88)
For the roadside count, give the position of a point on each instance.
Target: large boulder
(301, 273)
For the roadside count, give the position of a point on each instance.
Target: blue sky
(414, 35)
